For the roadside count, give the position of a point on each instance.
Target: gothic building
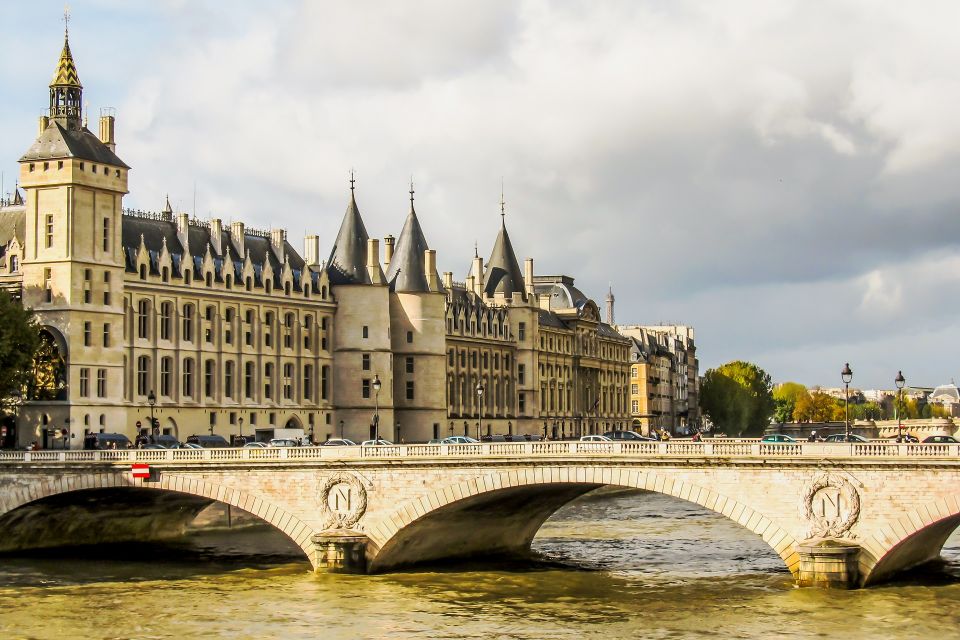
(228, 329)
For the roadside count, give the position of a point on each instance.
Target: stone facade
(229, 330)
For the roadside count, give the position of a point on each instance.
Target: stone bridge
(837, 514)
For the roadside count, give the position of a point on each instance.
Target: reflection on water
(620, 565)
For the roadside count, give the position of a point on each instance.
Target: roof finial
(351, 180)
(476, 254)
(503, 205)
(411, 191)
(66, 22)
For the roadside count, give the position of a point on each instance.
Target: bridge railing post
(708, 448)
(755, 449)
(662, 448)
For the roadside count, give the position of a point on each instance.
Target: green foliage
(818, 407)
(737, 398)
(19, 338)
(785, 399)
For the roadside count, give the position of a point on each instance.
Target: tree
(785, 398)
(19, 338)
(737, 398)
(817, 407)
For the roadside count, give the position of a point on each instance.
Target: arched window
(248, 381)
(143, 375)
(249, 283)
(166, 320)
(188, 377)
(143, 318)
(209, 279)
(187, 333)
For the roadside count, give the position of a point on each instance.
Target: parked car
(191, 445)
(842, 437)
(255, 445)
(627, 435)
(940, 440)
(459, 440)
(103, 441)
(208, 442)
(375, 443)
(436, 441)
(166, 441)
(339, 442)
(595, 438)
(778, 438)
(283, 442)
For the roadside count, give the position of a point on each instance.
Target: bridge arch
(502, 512)
(913, 539)
(45, 487)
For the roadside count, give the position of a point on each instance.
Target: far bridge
(844, 515)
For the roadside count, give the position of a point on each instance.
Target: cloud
(766, 171)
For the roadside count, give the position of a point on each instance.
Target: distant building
(948, 397)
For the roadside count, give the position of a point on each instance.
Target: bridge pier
(828, 564)
(340, 551)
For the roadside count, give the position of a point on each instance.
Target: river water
(615, 565)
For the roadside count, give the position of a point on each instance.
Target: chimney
(183, 234)
(478, 270)
(544, 301)
(237, 235)
(183, 222)
(471, 283)
(277, 238)
(528, 276)
(107, 132)
(388, 243)
(44, 123)
(311, 250)
(373, 260)
(448, 279)
(216, 235)
(430, 269)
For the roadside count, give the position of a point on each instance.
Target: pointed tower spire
(348, 258)
(407, 271)
(503, 271)
(66, 92)
(167, 209)
(610, 300)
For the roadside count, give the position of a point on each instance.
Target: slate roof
(406, 273)
(949, 390)
(58, 141)
(503, 270)
(348, 257)
(12, 223)
(563, 295)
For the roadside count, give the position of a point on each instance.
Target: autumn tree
(18, 342)
(785, 398)
(737, 398)
(817, 407)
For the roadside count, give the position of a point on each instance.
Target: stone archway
(502, 512)
(198, 493)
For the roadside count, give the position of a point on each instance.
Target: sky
(781, 175)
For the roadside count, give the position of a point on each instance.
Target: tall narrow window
(187, 333)
(106, 334)
(409, 389)
(409, 364)
(106, 234)
(248, 382)
(101, 383)
(324, 381)
(166, 320)
(288, 382)
(308, 382)
(48, 232)
(87, 330)
(268, 381)
(87, 285)
(143, 318)
(365, 361)
(166, 377)
(48, 284)
(228, 379)
(188, 377)
(84, 382)
(106, 288)
(143, 375)
(208, 378)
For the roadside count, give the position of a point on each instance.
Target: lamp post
(900, 381)
(376, 407)
(152, 400)
(341, 429)
(846, 375)
(241, 429)
(479, 408)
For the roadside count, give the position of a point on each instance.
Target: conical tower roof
(348, 258)
(66, 74)
(406, 272)
(503, 270)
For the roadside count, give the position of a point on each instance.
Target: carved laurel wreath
(821, 527)
(332, 519)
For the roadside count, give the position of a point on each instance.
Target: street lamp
(152, 400)
(846, 375)
(479, 408)
(241, 429)
(341, 429)
(900, 381)
(376, 411)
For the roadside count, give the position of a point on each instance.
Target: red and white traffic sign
(140, 470)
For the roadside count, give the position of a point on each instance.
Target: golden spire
(66, 73)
